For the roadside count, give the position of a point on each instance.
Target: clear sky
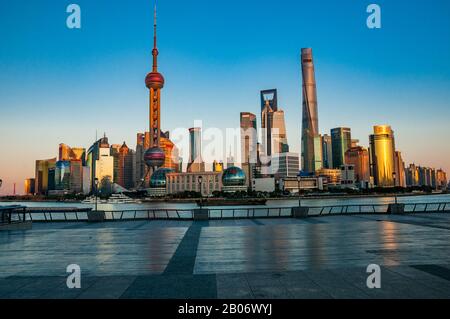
(61, 85)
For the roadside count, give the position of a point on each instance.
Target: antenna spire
(155, 50)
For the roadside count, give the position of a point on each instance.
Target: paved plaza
(317, 257)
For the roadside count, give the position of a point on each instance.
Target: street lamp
(394, 175)
(96, 192)
(200, 179)
(298, 185)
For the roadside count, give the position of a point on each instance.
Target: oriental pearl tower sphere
(154, 156)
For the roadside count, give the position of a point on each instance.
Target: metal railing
(12, 215)
(377, 209)
(258, 212)
(53, 215)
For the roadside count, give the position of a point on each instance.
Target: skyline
(115, 124)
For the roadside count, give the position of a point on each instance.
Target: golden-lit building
(41, 178)
(67, 153)
(358, 156)
(332, 175)
(400, 178)
(217, 166)
(441, 179)
(412, 175)
(29, 186)
(170, 151)
(382, 155)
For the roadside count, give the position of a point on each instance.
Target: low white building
(348, 178)
(264, 184)
(182, 182)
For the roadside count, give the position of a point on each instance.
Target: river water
(270, 203)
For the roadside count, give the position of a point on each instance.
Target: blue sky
(61, 85)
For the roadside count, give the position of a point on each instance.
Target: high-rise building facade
(249, 137)
(171, 153)
(124, 166)
(310, 121)
(382, 155)
(42, 175)
(29, 186)
(139, 164)
(327, 151)
(341, 141)
(100, 152)
(266, 128)
(318, 152)
(359, 157)
(400, 177)
(279, 136)
(441, 179)
(332, 175)
(67, 153)
(76, 176)
(196, 163)
(412, 175)
(271, 96)
(285, 165)
(62, 176)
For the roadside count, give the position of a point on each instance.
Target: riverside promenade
(315, 257)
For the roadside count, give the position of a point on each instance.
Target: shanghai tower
(310, 122)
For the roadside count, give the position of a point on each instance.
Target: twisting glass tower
(310, 122)
(154, 156)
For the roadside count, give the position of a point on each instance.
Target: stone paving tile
(393, 285)
(57, 290)
(426, 279)
(323, 257)
(233, 286)
(301, 286)
(172, 287)
(36, 287)
(335, 285)
(111, 287)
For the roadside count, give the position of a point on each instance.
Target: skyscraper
(327, 152)
(310, 122)
(62, 176)
(318, 152)
(42, 178)
(273, 127)
(249, 138)
(266, 128)
(359, 157)
(271, 96)
(170, 151)
(139, 164)
(29, 186)
(279, 136)
(196, 163)
(382, 155)
(341, 141)
(67, 153)
(400, 179)
(124, 166)
(101, 162)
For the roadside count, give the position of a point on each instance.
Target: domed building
(158, 181)
(234, 180)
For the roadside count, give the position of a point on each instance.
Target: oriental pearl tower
(154, 156)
